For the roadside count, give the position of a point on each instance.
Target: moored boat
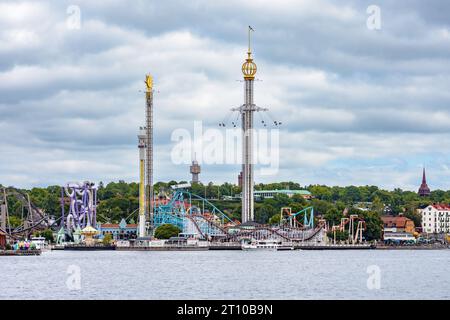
(269, 244)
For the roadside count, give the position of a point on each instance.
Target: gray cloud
(353, 102)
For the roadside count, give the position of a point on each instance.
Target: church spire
(424, 178)
(424, 190)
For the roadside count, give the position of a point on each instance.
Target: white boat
(269, 244)
(40, 243)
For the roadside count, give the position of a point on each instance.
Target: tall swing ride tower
(247, 110)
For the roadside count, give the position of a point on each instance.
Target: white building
(436, 218)
(399, 237)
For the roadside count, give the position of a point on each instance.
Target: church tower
(424, 190)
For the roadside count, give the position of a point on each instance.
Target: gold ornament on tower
(249, 67)
(149, 82)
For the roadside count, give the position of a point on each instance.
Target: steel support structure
(247, 152)
(149, 148)
(142, 196)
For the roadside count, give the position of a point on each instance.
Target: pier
(20, 253)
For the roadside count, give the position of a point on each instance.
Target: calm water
(227, 275)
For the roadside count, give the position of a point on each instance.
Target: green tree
(47, 234)
(107, 239)
(377, 206)
(166, 231)
(340, 235)
(333, 216)
(264, 212)
(275, 219)
(374, 225)
(15, 221)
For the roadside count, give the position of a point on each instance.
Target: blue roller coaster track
(192, 214)
(293, 220)
(308, 221)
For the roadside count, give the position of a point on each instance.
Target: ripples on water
(405, 274)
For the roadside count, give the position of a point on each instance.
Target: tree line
(119, 200)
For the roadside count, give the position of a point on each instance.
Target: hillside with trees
(119, 200)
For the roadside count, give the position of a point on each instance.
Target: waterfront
(405, 274)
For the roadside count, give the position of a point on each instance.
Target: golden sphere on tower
(249, 69)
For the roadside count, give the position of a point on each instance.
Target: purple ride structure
(82, 206)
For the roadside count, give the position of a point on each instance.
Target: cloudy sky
(358, 106)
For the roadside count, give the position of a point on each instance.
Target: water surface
(404, 274)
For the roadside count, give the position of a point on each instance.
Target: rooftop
(395, 221)
(302, 192)
(439, 206)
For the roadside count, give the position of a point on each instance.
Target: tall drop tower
(142, 154)
(149, 147)
(247, 110)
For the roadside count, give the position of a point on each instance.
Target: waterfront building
(436, 218)
(269, 194)
(424, 190)
(120, 230)
(399, 237)
(397, 224)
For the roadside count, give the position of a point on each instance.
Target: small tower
(195, 171)
(424, 190)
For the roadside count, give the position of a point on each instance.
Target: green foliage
(166, 231)
(414, 216)
(264, 212)
(47, 234)
(373, 225)
(340, 235)
(15, 221)
(333, 216)
(107, 239)
(118, 200)
(275, 219)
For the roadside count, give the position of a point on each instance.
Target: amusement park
(199, 223)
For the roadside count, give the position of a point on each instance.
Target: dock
(163, 248)
(86, 248)
(335, 247)
(225, 246)
(20, 253)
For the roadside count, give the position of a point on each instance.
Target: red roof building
(398, 224)
(441, 207)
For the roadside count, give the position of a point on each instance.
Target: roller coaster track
(211, 223)
(196, 226)
(24, 198)
(21, 228)
(254, 233)
(36, 219)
